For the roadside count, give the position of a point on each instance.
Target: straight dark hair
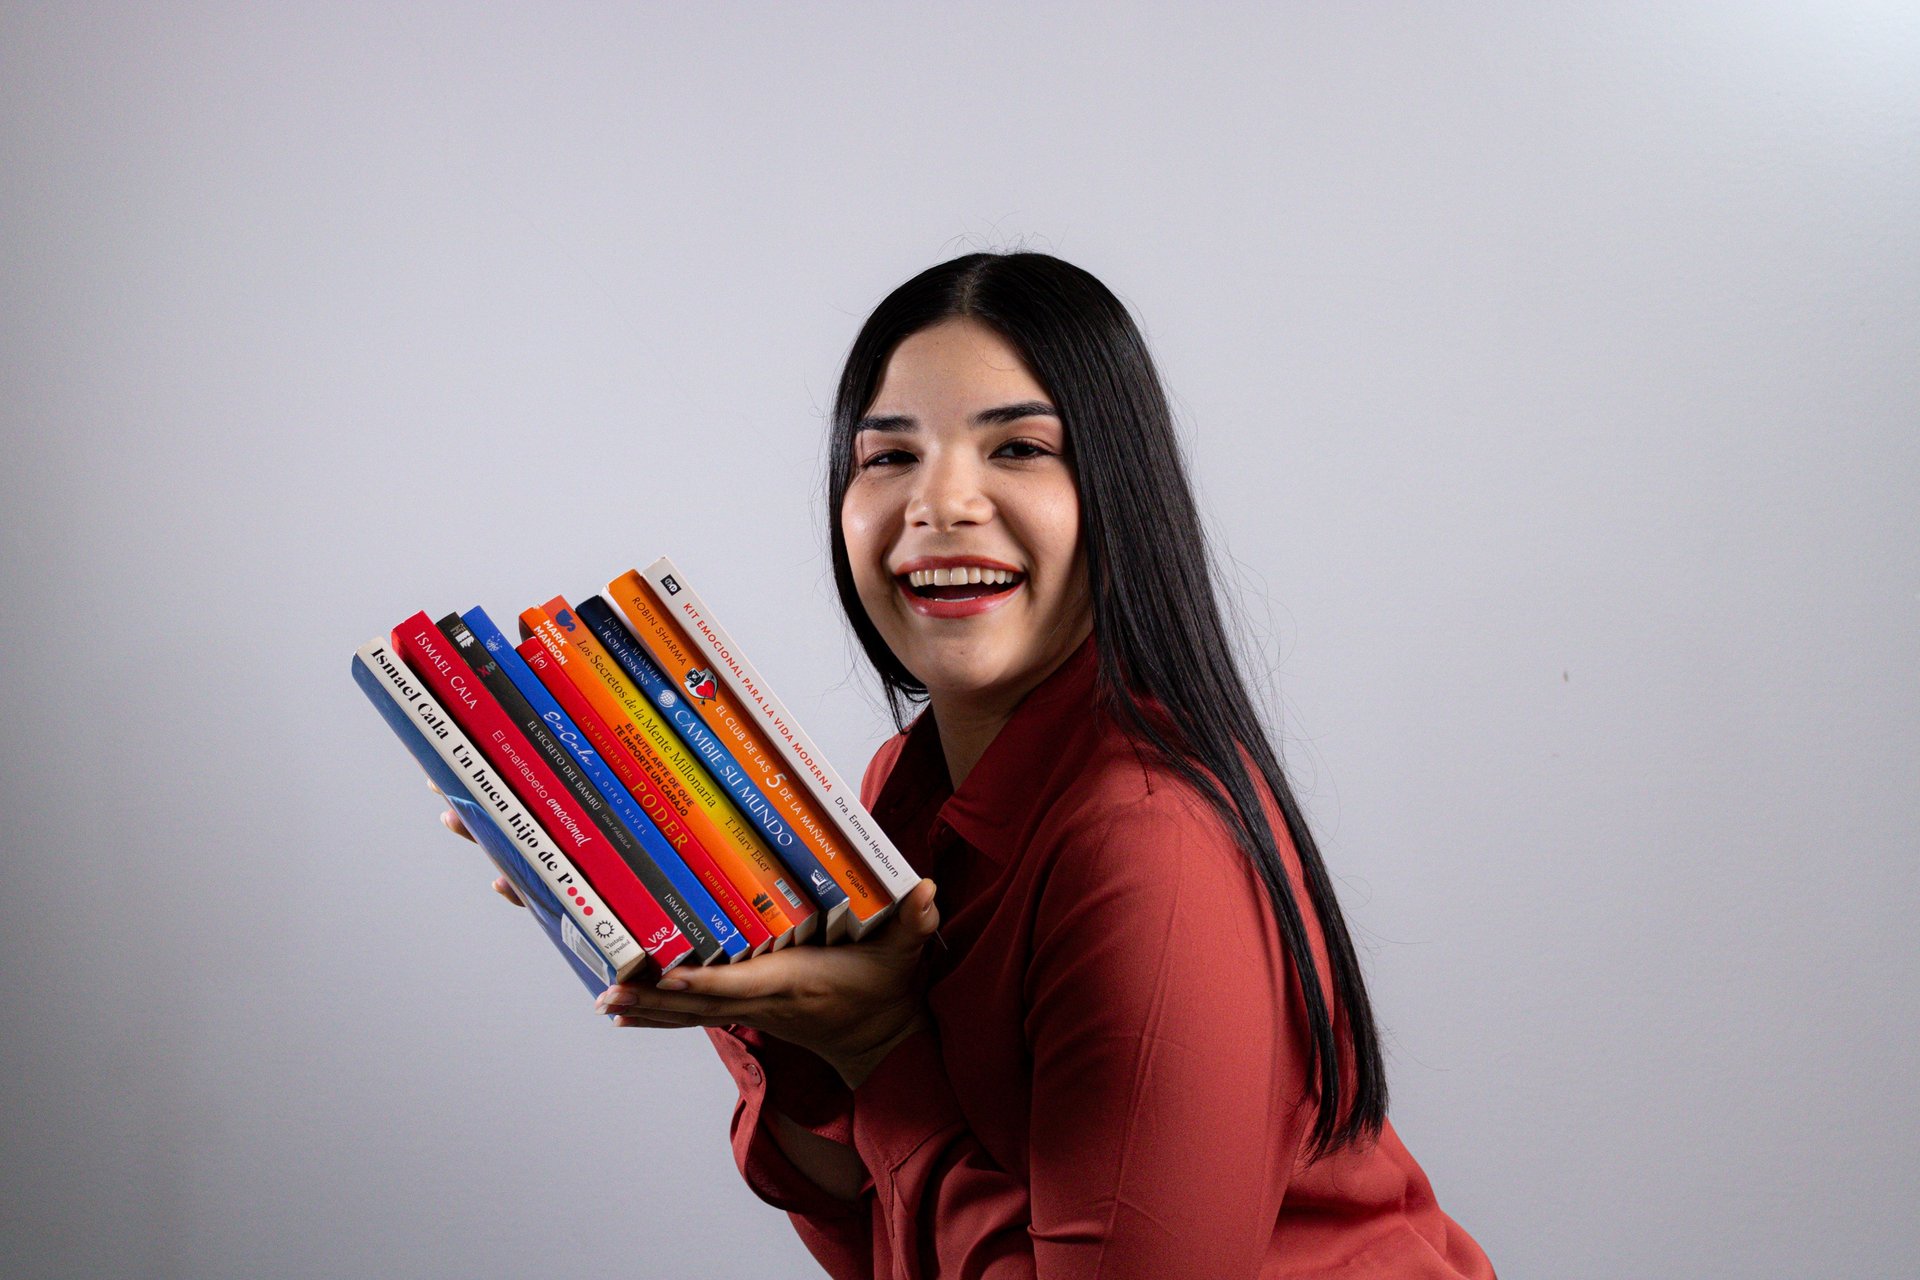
(1156, 626)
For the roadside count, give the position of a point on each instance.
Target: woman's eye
(1024, 449)
(886, 457)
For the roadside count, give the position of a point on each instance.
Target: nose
(948, 492)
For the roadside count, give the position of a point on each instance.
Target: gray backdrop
(1549, 376)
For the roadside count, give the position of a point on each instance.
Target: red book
(459, 690)
(645, 793)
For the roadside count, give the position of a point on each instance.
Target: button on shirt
(1118, 1081)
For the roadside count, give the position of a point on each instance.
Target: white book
(784, 733)
(587, 915)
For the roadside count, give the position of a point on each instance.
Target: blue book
(713, 754)
(618, 799)
(584, 955)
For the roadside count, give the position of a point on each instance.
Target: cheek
(867, 528)
(1055, 524)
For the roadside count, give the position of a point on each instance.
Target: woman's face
(961, 519)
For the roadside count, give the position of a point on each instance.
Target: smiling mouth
(959, 584)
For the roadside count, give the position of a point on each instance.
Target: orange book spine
(734, 847)
(720, 710)
(550, 669)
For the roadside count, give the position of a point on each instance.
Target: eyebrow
(996, 416)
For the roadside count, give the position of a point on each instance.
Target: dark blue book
(611, 789)
(400, 700)
(714, 756)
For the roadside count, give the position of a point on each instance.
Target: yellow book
(727, 836)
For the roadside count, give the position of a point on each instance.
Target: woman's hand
(850, 1004)
(451, 821)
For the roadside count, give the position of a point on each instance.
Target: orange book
(708, 814)
(717, 706)
(550, 669)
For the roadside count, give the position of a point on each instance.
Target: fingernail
(672, 984)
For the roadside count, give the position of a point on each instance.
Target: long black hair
(1156, 625)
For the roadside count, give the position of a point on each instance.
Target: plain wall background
(1548, 375)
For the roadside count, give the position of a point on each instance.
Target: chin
(966, 670)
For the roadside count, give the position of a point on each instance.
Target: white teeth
(959, 577)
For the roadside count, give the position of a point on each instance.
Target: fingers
(747, 980)
(670, 1022)
(923, 916)
(667, 1019)
(451, 821)
(674, 1008)
(652, 1024)
(914, 921)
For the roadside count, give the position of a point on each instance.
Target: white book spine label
(585, 911)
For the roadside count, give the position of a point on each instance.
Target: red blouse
(1118, 1081)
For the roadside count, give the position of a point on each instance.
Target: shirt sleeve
(771, 1073)
(1170, 1090)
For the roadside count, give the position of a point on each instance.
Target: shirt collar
(1010, 781)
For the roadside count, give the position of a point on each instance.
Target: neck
(966, 731)
(969, 722)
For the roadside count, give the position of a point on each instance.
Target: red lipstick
(959, 608)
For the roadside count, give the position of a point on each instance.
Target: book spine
(706, 947)
(653, 802)
(787, 914)
(708, 809)
(783, 731)
(719, 709)
(459, 690)
(597, 946)
(717, 760)
(654, 847)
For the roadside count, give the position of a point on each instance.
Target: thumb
(917, 916)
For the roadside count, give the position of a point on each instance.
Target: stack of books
(636, 780)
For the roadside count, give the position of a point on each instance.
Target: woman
(1141, 1044)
